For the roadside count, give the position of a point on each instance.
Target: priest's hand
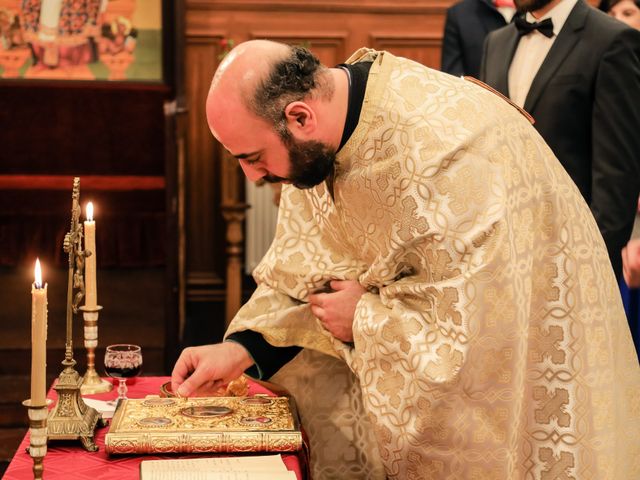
(631, 263)
(201, 371)
(336, 310)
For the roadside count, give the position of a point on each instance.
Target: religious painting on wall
(119, 40)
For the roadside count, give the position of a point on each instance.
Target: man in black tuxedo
(467, 24)
(577, 72)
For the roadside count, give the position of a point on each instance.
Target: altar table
(67, 460)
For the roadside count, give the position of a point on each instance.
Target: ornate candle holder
(71, 418)
(37, 435)
(92, 383)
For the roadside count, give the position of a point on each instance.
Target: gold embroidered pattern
(492, 343)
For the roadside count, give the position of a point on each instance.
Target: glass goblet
(123, 361)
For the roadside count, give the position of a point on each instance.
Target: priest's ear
(301, 119)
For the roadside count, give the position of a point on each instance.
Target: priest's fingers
(194, 368)
(184, 366)
(340, 330)
(210, 389)
(200, 366)
(317, 299)
(319, 312)
(197, 379)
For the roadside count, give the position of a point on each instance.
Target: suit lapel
(567, 38)
(510, 43)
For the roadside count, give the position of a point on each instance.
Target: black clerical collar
(358, 74)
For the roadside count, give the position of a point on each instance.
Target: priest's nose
(252, 173)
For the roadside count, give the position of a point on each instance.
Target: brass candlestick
(91, 382)
(71, 418)
(37, 436)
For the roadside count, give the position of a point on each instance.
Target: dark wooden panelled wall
(214, 196)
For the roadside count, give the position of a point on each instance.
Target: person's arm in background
(631, 263)
(631, 257)
(452, 51)
(616, 143)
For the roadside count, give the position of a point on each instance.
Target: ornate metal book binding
(208, 424)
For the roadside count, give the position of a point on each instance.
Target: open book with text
(266, 467)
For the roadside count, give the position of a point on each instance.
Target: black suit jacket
(585, 100)
(467, 25)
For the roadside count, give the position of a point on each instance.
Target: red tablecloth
(69, 461)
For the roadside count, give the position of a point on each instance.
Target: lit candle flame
(38, 274)
(90, 212)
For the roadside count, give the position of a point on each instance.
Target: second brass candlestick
(92, 383)
(71, 418)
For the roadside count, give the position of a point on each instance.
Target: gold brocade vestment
(492, 343)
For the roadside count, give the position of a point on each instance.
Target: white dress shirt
(532, 50)
(507, 12)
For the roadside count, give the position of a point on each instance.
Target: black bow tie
(545, 27)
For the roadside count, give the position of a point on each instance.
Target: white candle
(49, 19)
(38, 339)
(91, 291)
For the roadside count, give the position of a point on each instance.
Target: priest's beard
(523, 6)
(311, 162)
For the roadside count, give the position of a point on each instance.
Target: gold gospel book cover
(207, 424)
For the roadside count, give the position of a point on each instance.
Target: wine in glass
(123, 361)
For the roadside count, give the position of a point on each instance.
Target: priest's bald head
(278, 111)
